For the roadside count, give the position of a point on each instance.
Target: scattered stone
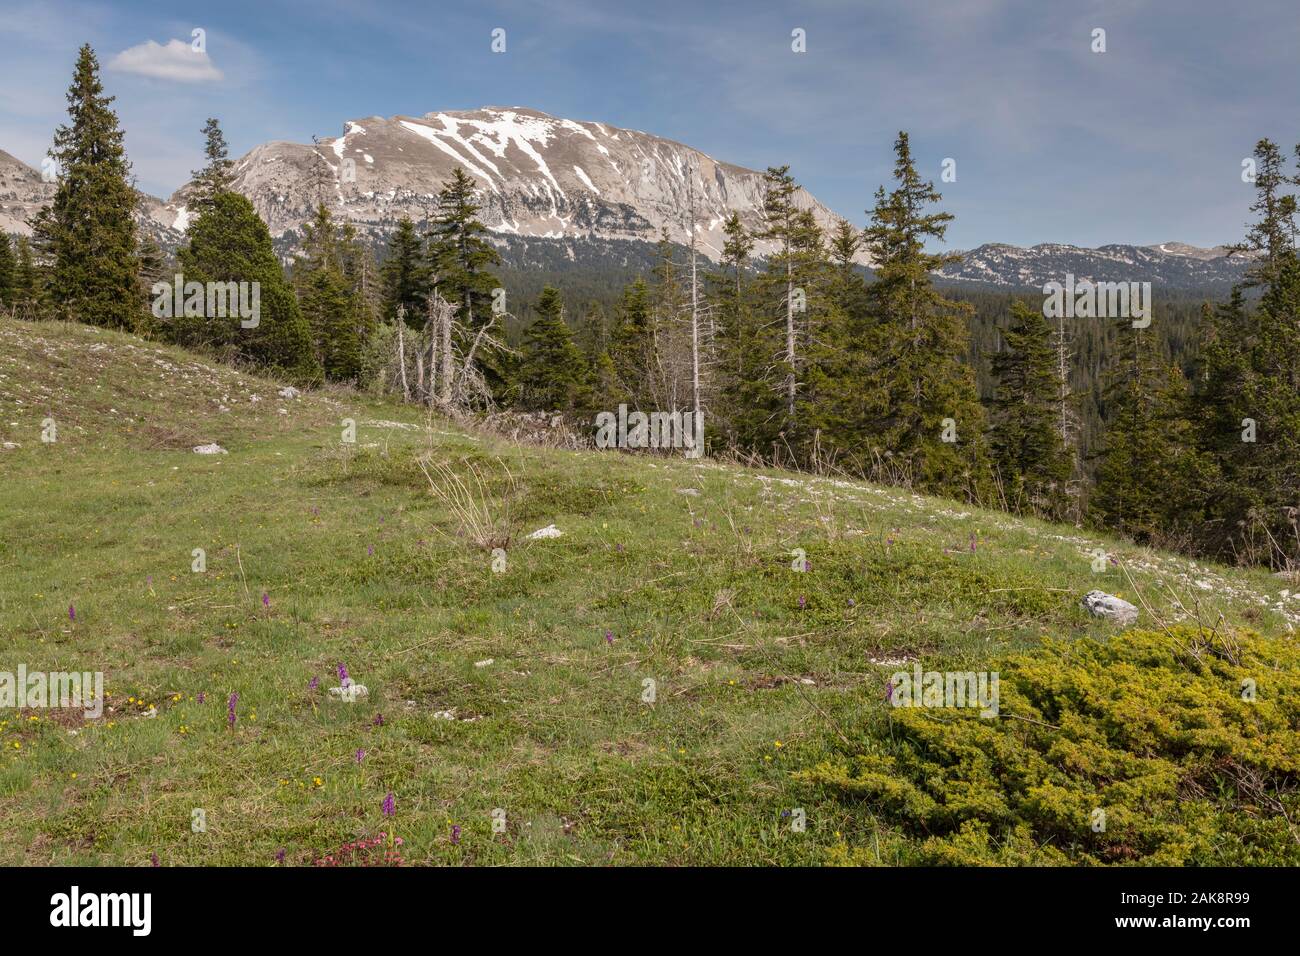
(289, 392)
(550, 531)
(1101, 604)
(351, 693)
(212, 448)
(485, 663)
(693, 492)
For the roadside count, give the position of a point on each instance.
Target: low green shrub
(1160, 731)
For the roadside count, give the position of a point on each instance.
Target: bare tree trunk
(789, 325)
(401, 351)
(445, 311)
(695, 309)
(431, 336)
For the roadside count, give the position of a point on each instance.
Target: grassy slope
(696, 589)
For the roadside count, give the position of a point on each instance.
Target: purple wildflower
(344, 679)
(313, 683)
(802, 602)
(72, 613)
(361, 755)
(202, 697)
(230, 707)
(370, 549)
(889, 689)
(390, 805)
(153, 859)
(266, 599)
(972, 541)
(279, 857)
(852, 603)
(609, 637)
(455, 834)
(378, 721)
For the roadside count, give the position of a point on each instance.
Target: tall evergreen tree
(29, 289)
(459, 253)
(1026, 447)
(405, 275)
(8, 274)
(554, 375)
(917, 392)
(229, 242)
(632, 345)
(780, 219)
(327, 298)
(217, 174)
(88, 232)
(1249, 406)
(1150, 476)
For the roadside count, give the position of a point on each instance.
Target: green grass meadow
(520, 692)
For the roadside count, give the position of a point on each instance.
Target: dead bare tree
(401, 352)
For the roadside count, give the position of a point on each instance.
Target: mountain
(584, 192)
(1169, 265)
(23, 191)
(540, 177)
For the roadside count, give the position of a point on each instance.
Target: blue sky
(1053, 142)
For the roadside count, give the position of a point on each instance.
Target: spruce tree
(835, 358)
(918, 394)
(29, 288)
(88, 232)
(1249, 406)
(1150, 477)
(404, 275)
(8, 274)
(632, 345)
(748, 407)
(217, 175)
(327, 299)
(779, 215)
(553, 376)
(460, 255)
(1030, 460)
(229, 242)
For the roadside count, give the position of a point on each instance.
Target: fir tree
(230, 243)
(632, 348)
(553, 376)
(1150, 476)
(88, 232)
(217, 175)
(29, 290)
(779, 214)
(404, 275)
(8, 274)
(916, 391)
(1249, 406)
(1031, 462)
(459, 253)
(326, 297)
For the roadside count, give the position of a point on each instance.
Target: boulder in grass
(1101, 604)
(550, 531)
(212, 448)
(289, 392)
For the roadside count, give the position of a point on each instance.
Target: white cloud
(176, 61)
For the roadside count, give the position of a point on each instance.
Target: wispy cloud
(177, 60)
